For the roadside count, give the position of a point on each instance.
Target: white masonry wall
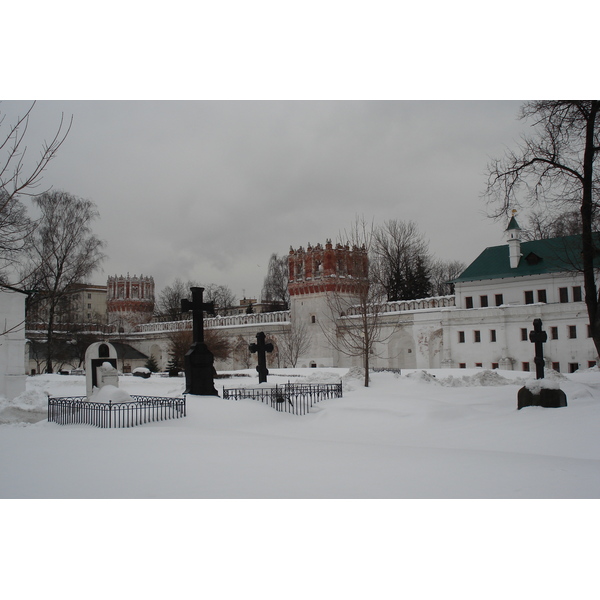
(12, 343)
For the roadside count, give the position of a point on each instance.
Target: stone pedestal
(544, 397)
(200, 371)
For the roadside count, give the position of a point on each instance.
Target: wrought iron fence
(295, 398)
(142, 409)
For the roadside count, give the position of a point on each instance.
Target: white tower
(514, 241)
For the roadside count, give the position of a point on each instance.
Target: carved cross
(199, 360)
(261, 348)
(197, 306)
(538, 337)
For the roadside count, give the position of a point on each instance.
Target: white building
(12, 341)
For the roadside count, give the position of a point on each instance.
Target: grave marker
(199, 360)
(261, 347)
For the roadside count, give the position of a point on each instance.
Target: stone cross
(197, 306)
(538, 337)
(261, 348)
(199, 360)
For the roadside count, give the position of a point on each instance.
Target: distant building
(88, 303)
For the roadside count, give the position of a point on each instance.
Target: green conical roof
(513, 224)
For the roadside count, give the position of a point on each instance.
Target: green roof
(552, 255)
(512, 224)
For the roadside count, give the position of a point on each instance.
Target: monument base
(544, 397)
(200, 371)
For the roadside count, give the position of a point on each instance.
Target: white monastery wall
(12, 343)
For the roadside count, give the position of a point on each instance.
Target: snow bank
(29, 407)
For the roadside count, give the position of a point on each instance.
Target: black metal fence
(295, 398)
(142, 409)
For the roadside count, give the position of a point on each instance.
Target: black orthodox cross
(197, 306)
(538, 337)
(199, 360)
(261, 348)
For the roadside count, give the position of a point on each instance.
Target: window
(524, 335)
(563, 294)
(483, 300)
(494, 365)
(529, 297)
(480, 365)
(499, 299)
(525, 366)
(591, 363)
(313, 319)
(492, 335)
(554, 333)
(89, 296)
(573, 367)
(477, 336)
(462, 365)
(89, 306)
(577, 294)
(541, 294)
(469, 302)
(461, 337)
(556, 367)
(572, 331)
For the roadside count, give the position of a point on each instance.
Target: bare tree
(64, 251)
(180, 342)
(19, 178)
(441, 273)
(275, 286)
(554, 170)
(221, 295)
(294, 342)
(400, 260)
(358, 334)
(168, 303)
(541, 225)
(241, 353)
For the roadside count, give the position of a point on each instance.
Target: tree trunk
(588, 248)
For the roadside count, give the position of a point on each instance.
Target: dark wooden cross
(261, 348)
(199, 360)
(538, 337)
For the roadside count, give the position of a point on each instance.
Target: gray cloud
(208, 190)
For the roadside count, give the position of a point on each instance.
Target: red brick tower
(323, 283)
(318, 270)
(130, 300)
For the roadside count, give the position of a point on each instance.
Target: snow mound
(482, 378)
(29, 407)
(110, 393)
(424, 377)
(321, 377)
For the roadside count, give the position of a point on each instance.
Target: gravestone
(199, 360)
(540, 393)
(261, 347)
(100, 366)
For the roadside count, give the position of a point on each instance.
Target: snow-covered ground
(434, 434)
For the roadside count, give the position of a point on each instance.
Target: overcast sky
(208, 190)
